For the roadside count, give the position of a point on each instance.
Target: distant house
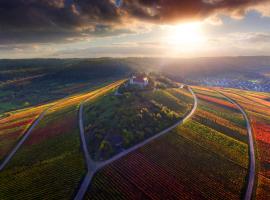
(141, 81)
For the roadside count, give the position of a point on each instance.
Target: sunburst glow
(188, 36)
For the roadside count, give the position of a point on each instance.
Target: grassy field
(198, 160)
(50, 163)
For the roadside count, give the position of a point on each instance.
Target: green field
(113, 123)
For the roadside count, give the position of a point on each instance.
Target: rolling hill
(170, 143)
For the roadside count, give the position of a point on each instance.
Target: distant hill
(25, 82)
(34, 81)
(197, 67)
(179, 67)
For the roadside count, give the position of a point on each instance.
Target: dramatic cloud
(164, 11)
(51, 20)
(27, 21)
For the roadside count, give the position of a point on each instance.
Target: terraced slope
(206, 158)
(257, 107)
(50, 163)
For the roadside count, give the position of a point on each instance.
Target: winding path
(93, 166)
(22, 140)
(36, 122)
(252, 163)
(27, 134)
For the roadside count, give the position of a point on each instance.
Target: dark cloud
(35, 36)
(27, 21)
(164, 11)
(35, 15)
(54, 20)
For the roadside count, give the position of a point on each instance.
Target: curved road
(33, 125)
(27, 134)
(93, 166)
(252, 163)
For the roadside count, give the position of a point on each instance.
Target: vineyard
(198, 160)
(14, 125)
(50, 162)
(258, 109)
(207, 157)
(176, 100)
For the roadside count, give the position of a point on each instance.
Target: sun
(186, 36)
(185, 33)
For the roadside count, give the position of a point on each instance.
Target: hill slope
(50, 163)
(204, 158)
(200, 159)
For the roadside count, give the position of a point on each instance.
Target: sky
(131, 28)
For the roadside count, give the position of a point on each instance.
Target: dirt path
(22, 140)
(40, 117)
(27, 134)
(252, 164)
(93, 166)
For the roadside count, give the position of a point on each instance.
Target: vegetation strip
(95, 166)
(91, 166)
(252, 170)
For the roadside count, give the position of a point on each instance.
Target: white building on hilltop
(141, 81)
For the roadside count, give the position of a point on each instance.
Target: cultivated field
(13, 126)
(207, 157)
(50, 163)
(204, 158)
(257, 106)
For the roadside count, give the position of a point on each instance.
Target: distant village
(256, 85)
(142, 81)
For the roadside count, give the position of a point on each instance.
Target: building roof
(141, 79)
